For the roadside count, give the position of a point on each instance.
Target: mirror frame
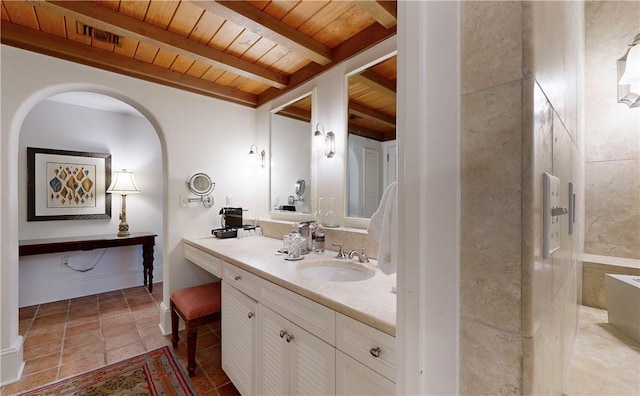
(295, 216)
(195, 190)
(354, 222)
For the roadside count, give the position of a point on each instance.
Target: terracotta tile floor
(69, 337)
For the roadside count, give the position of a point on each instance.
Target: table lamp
(123, 183)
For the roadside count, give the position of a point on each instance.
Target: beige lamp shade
(123, 183)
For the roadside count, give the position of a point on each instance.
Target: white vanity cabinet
(292, 361)
(365, 359)
(239, 336)
(278, 342)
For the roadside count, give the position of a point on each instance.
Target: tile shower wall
(520, 117)
(612, 135)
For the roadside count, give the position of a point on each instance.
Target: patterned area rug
(155, 373)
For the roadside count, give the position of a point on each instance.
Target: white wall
(290, 160)
(196, 133)
(133, 145)
(329, 107)
(355, 166)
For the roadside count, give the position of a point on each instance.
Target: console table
(56, 245)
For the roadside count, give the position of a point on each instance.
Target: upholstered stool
(196, 306)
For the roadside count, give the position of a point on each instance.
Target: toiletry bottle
(319, 243)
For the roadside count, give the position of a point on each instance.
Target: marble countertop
(369, 301)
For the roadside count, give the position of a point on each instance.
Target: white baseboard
(165, 319)
(11, 363)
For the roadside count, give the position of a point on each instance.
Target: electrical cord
(90, 268)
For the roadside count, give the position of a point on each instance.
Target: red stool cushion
(198, 301)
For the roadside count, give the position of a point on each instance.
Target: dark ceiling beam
(262, 24)
(371, 114)
(367, 133)
(384, 12)
(356, 44)
(104, 18)
(376, 82)
(296, 113)
(47, 44)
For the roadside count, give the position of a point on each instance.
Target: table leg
(147, 264)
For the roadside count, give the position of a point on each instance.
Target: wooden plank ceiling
(372, 102)
(247, 52)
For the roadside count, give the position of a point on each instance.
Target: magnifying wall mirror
(371, 160)
(201, 185)
(291, 157)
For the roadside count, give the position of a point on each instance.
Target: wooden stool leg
(174, 326)
(191, 352)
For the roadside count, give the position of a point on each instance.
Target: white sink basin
(335, 270)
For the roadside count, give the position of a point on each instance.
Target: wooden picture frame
(67, 185)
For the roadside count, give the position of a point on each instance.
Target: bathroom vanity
(285, 330)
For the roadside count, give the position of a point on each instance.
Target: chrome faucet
(341, 254)
(362, 256)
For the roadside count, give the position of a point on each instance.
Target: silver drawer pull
(282, 333)
(375, 352)
(251, 315)
(237, 278)
(289, 337)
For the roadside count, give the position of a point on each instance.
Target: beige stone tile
(548, 46)
(562, 167)
(491, 205)
(613, 208)
(611, 128)
(490, 360)
(542, 363)
(605, 360)
(491, 52)
(594, 293)
(537, 275)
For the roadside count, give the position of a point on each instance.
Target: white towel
(383, 227)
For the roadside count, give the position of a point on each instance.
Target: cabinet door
(239, 334)
(273, 354)
(312, 364)
(354, 378)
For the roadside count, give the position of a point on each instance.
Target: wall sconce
(124, 183)
(629, 75)
(317, 133)
(254, 157)
(330, 144)
(329, 140)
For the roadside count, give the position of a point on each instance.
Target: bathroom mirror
(371, 137)
(291, 157)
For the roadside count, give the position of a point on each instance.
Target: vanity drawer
(311, 316)
(242, 280)
(373, 348)
(202, 259)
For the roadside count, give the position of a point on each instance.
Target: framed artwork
(67, 185)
